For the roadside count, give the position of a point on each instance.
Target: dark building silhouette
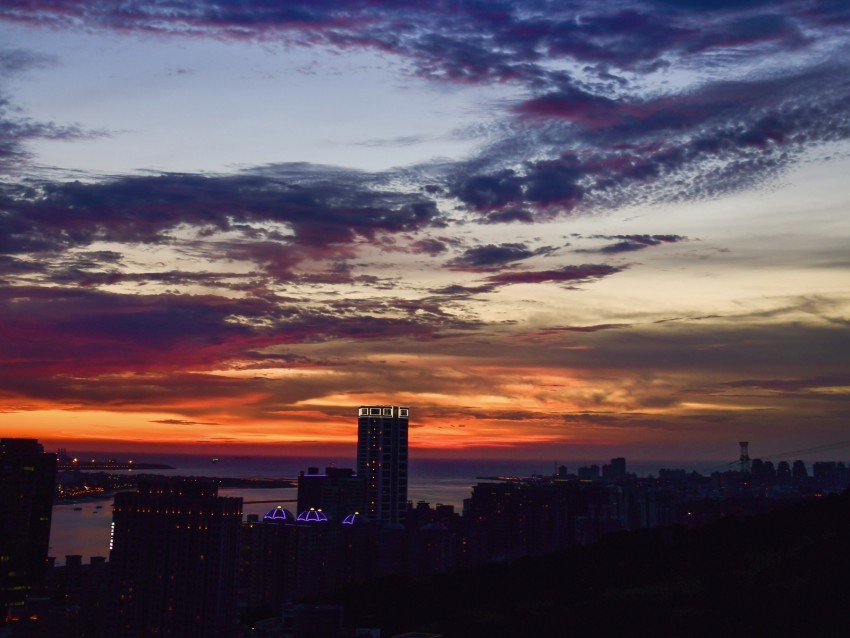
(382, 461)
(783, 472)
(289, 558)
(174, 556)
(27, 477)
(264, 559)
(514, 519)
(357, 551)
(314, 555)
(588, 473)
(830, 475)
(433, 552)
(763, 473)
(78, 594)
(615, 471)
(337, 492)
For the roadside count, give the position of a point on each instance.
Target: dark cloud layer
(493, 256)
(320, 209)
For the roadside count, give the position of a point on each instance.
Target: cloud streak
(570, 274)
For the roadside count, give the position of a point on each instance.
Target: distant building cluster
(183, 562)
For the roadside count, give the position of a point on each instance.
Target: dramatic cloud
(634, 143)
(317, 207)
(259, 295)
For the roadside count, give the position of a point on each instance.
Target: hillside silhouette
(783, 573)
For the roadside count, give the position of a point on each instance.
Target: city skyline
(554, 230)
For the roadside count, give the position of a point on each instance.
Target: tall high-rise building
(382, 460)
(27, 479)
(174, 559)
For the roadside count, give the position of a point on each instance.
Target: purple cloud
(631, 243)
(495, 256)
(430, 246)
(322, 209)
(488, 192)
(579, 274)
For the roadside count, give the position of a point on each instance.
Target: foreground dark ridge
(782, 573)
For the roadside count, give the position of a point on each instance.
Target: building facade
(174, 557)
(27, 478)
(382, 461)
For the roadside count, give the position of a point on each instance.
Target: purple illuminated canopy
(312, 516)
(351, 519)
(278, 515)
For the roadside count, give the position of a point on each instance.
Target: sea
(83, 527)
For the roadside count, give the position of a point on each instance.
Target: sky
(554, 230)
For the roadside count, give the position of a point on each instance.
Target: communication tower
(744, 461)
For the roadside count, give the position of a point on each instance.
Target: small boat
(78, 509)
(215, 460)
(98, 507)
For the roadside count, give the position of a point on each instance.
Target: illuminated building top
(384, 411)
(382, 460)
